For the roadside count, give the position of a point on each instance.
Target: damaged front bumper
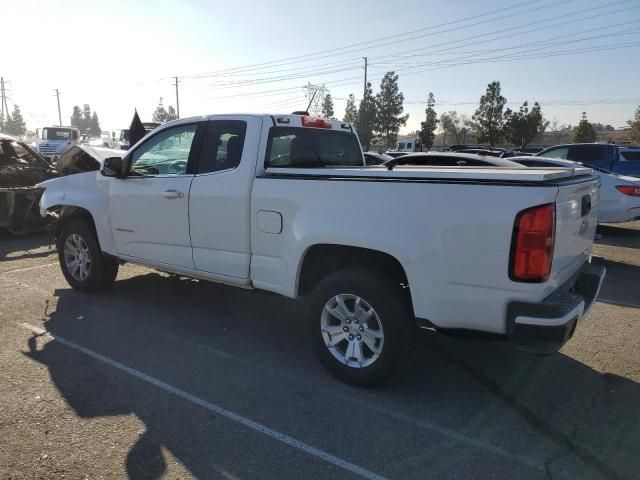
(19, 209)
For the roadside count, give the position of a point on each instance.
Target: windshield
(124, 135)
(312, 147)
(400, 146)
(51, 133)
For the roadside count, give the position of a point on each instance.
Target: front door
(150, 207)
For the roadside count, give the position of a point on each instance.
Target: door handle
(172, 194)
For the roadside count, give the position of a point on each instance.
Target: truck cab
(57, 140)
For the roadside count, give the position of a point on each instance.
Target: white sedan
(619, 195)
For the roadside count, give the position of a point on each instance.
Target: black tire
(102, 270)
(390, 305)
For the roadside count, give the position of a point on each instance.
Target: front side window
(560, 152)
(56, 134)
(166, 153)
(222, 146)
(312, 148)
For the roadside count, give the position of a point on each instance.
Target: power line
(517, 27)
(342, 49)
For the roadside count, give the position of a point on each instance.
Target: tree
(76, 118)
(584, 132)
(524, 125)
(171, 113)
(488, 119)
(327, 106)
(160, 114)
(350, 110)
(428, 127)
(94, 126)
(388, 103)
(634, 125)
(366, 121)
(450, 125)
(15, 123)
(466, 125)
(86, 118)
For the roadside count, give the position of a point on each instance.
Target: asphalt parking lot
(162, 377)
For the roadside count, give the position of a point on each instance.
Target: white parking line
(30, 268)
(223, 412)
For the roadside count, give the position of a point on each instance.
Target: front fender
(83, 190)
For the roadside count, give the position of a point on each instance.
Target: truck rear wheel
(359, 326)
(82, 262)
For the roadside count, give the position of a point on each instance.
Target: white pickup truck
(284, 203)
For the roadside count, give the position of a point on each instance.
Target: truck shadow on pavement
(567, 418)
(624, 290)
(19, 247)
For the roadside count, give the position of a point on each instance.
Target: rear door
(600, 156)
(220, 198)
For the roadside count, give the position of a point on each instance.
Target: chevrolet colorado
(285, 203)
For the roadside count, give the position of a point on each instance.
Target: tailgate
(576, 222)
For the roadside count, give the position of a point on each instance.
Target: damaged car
(21, 169)
(84, 158)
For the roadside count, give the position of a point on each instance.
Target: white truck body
(451, 230)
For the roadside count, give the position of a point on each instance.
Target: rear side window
(312, 148)
(597, 155)
(560, 152)
(222, 146)
(630, 155)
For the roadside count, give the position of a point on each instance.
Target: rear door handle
(172, 194)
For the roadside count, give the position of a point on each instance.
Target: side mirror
(112, 167)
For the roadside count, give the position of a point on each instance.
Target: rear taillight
(316, 122)
(629, 190)
(532, 244)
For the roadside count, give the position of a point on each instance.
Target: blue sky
(570, 55)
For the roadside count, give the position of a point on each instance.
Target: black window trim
(194, 153)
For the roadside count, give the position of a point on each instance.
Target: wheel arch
(320, 260)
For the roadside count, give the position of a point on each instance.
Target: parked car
(451, 159)
(607, 156)
(21, 169)
(84, 158)
(57, 140)
(395, 154)
(374, 158)
(482, 151)
(619, 195)
(281, 203)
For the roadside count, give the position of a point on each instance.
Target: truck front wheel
(359, 326)
(82, 262)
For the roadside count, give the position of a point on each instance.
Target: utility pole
(59, 113)
(177, 100)
(365, 77)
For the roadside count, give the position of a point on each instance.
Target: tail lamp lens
(533, 241)
(629, 190)
(316, 122)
